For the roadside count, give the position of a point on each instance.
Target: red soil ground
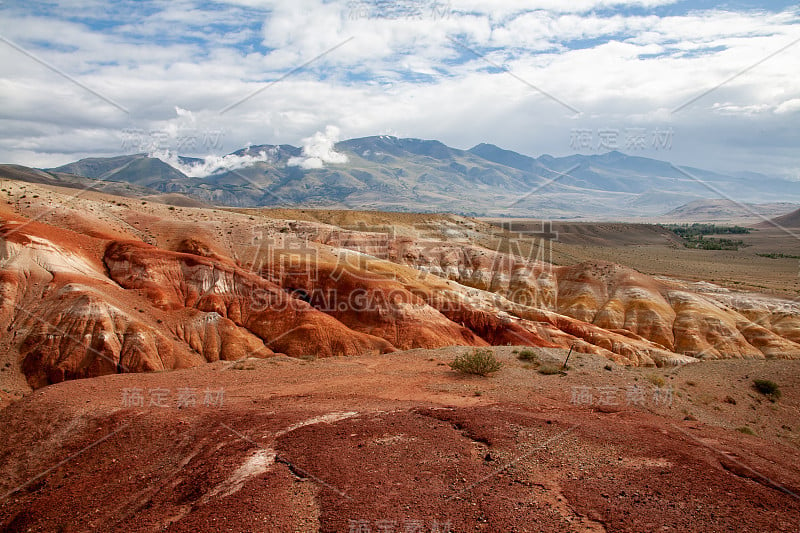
(397, 442)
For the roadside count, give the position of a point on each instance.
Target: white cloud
(506, 7)
(318, 150)
(789, 106)
(400, 75)
(179, 132)
(211, 164)
(733, 109)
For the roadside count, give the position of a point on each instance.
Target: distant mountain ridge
(714, 210)
(138, 169)
(390, 173)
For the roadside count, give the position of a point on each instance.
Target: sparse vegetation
(690, 230)
(746, 430)
(693, 235)
(478, 362)
(528, 355)
(768, 388)
(550, 369)
(656, 380)
(779, 256)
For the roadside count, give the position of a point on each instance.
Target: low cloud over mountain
(385, 172)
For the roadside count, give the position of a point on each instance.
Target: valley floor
(768, 261)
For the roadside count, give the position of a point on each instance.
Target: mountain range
(390, 173)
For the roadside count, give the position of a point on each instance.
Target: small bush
(768, 388)
(746, 430)
(527, 355)
(478, 362)
(549, 370)
(656, 380)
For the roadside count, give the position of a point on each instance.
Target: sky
(711, 85)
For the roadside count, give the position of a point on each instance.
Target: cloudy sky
(714, 85)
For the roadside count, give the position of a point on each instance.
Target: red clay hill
(96, 286)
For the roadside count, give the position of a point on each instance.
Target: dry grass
(550, 370)
(477, 362)
(768, 388)
(528, 355)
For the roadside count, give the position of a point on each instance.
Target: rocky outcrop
(76, 305)
(217, 338)
(175, 281)
(76, 333)
(616, 298)
(618, 310)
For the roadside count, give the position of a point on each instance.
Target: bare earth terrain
(173, 368)
(402, 440)
(651, 250)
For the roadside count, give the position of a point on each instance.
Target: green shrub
(746, 430)
(768, 388)
(478, 362)
(527, 355)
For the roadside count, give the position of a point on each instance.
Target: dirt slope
(789, 220)
(390, 441)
